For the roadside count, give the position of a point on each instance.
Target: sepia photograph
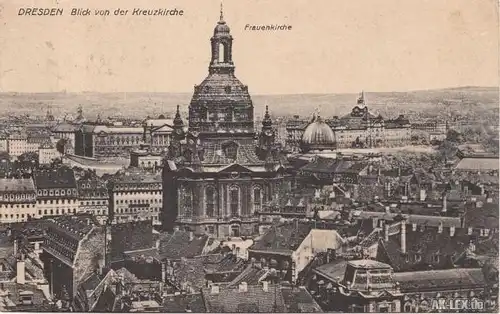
(249, 156)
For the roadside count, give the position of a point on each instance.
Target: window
(234, 195)
(235, 231)
(257, 199)
(210, 195)
(222, 52)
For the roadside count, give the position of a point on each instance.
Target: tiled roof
(17, 185)
(426, 244)
(77, 225)
(183, 303)
(485, 217)
(440, 279)
(284, 238)
(255, 299)
(299, 300)
(333, 270)
(176, 245)
(477, 164)
(229, 263)
(252, 275)
(55, 178)
(331, 165)
(131, 236)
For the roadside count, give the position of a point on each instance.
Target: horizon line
(261, 94)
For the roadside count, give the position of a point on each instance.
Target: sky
(335, 46)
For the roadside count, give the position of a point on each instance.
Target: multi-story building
(93, 197)
(17, 200)
(146, 159)
(67, 132)
(57, 192)
(157, 133)
(4, 144)
(135, 195)
(295, 129)
(73, 249)
(358, 129)
(21, 143)
(369, 286)
(47, 153)
(216, 175)
(98, 140)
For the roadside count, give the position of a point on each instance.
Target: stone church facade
(220, 173)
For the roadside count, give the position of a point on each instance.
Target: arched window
(257, 199)
(187, 201)
(210, 201)
(234, 199)
(222, 53)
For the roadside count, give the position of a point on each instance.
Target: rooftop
(17, 185)
(440, 279)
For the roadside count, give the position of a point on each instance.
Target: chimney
(388, 209)
(399, 172)
(469, 231)
(413, 227)
(472, 247)
(243, 287)
(479, 204)
(163, 272)
(214, 289)
(386, 232)
(15, 246)
(374, 223)
(440, 227)
(379, 171)
(489, 200)
(403, 236)
(20, 269)
(452, 231)
(445, 203)
(265, 286)
(423, 195)
(191, 236)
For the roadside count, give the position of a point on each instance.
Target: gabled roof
(176, 245)
(440, 279)
(254, 299)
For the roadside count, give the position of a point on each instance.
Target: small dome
(318, 133)
(221, 28)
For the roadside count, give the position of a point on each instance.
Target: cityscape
(222, 205)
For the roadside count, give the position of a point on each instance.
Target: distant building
(97, 140)
(358, 129)
(17, 200)
(57, 192)
(146, 159)
(47, 153)
(135, 195)
(66, 131)
(22, 143)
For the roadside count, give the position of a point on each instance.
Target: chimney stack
(265, 286)
(445, 203)
(191, 236)
(15, 246)
(388, 209)
(399, 172)
(423, 195)
(243, 287)
(20, 271)
(214, 289)
(386, 232)
(413, 227)
(440, 227)
(452, 231)
(403, 236)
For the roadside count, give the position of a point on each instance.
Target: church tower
(221, 104)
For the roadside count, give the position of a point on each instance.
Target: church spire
(221, 12)
(178, 120)
(267, 123)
